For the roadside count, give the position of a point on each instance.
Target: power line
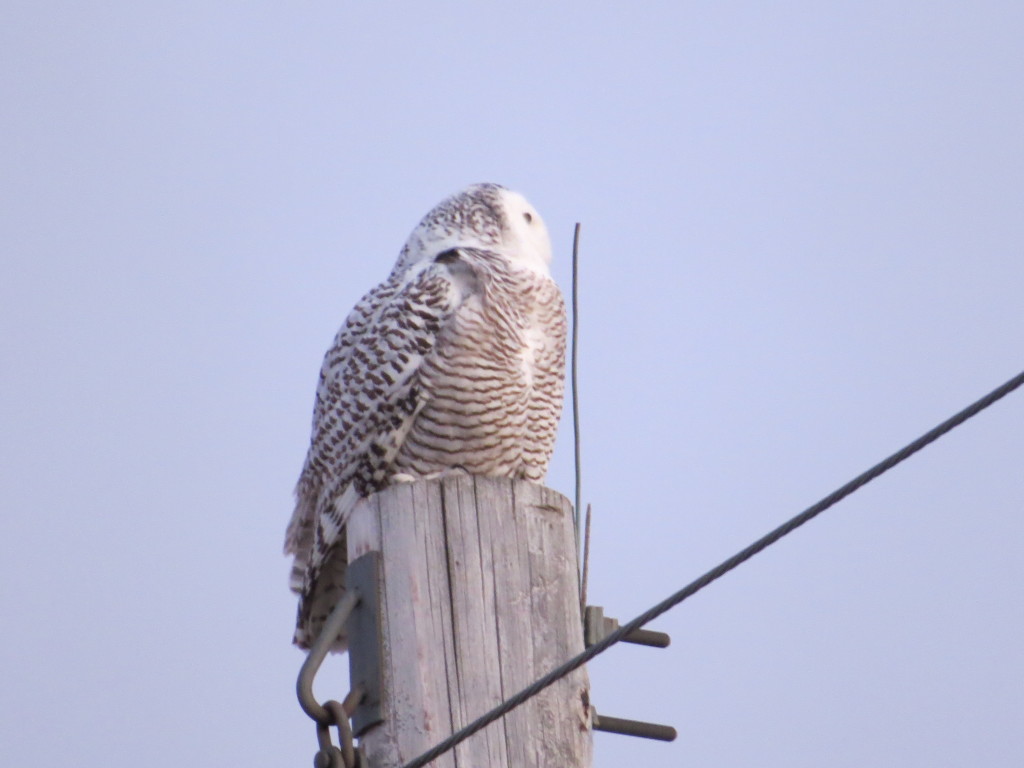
(715, 573)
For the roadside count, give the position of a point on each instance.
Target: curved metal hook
(317, 654)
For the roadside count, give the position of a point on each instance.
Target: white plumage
(455, 363)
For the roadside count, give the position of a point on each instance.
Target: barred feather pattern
(455, 363)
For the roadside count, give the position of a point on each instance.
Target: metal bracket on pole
(596, 626)
(364, 641)
(633, 727)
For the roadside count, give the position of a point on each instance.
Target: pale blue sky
(803, 245)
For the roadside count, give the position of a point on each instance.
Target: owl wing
(299, 536)
(369, 393)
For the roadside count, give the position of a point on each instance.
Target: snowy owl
(455, 363)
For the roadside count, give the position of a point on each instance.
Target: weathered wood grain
(480, 598)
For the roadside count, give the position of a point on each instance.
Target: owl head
(485, 216)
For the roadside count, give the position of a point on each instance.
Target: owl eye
(529, 217)
(447, 257)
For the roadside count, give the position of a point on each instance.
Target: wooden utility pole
(479, 596)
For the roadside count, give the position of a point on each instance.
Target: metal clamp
(596, 626)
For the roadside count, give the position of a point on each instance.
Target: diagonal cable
(715, 573)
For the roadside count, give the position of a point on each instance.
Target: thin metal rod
(318, 652)
(634, 728)
(717, 572)
(574, 383)
(648, 637)
(586, 566)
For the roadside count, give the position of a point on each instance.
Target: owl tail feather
(322, 580)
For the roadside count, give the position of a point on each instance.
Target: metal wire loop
(330, 756)
(340, 717)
